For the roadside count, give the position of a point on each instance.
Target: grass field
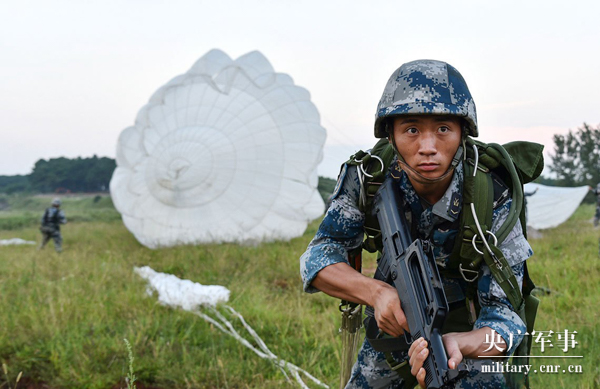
(64, 316)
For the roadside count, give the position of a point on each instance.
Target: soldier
(50, 225)
(426, 112)
(528, 194)
(597, 214)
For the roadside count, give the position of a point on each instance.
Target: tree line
(576, 159)
(63, 175)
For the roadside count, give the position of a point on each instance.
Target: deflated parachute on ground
(550, 206)
(226, 152)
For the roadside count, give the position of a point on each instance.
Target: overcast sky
(75, 73)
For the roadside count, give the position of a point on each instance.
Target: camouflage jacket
(342, 230)
(53, 217)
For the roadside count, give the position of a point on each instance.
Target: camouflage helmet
(426, 87)
(56, 202)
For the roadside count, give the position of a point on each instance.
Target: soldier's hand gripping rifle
(411, 267)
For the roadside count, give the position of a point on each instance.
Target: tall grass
(566, 261)
(63, 317)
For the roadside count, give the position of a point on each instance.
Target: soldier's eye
(444, 129)
(412, 130)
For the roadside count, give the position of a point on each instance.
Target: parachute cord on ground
(265, 355)
(202, 300)
(295, 369)
(226, 327)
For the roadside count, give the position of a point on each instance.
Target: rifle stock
(410, 266)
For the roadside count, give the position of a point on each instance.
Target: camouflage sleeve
(496, 311)
(62, 219)
(340, 231)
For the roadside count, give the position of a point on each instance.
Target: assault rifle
(411, 268)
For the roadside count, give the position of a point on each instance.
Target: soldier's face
(427, 142)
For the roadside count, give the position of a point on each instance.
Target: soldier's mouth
(428, 167)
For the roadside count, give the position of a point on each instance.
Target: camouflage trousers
(54, 234)
(371, 371)
(597, 216)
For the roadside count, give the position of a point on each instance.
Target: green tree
(72, 175)
(14, 184)
(325, 187)
(576, 159)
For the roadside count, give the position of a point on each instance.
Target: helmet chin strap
(418, 177)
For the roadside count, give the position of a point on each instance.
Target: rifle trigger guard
(464, 276)
(475, 245)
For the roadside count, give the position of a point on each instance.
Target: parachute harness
(364, 158)
(477, 220)
(479, 233)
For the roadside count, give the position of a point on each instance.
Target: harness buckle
(362, 164)
(361, 177)
(496, 261)
(464, 276)
(490, 233)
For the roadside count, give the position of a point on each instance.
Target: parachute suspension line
(225, 326)
(479, 230)
(201, 300)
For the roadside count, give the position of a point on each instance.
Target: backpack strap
(477, 242)
(372, 169)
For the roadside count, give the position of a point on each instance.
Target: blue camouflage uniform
(50, 227)
(342, 230)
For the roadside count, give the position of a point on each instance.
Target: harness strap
(477, 213)
(372, 169)
(502, 272)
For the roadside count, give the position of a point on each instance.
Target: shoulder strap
(372, 167)
(476, 242)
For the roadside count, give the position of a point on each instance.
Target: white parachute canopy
(15, 241)
(175, 292)
(550, 206)
(226, 152)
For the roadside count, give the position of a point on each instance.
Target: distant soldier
(50, 225)
(597, 215)
(525, 195)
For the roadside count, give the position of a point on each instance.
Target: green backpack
(516, 164)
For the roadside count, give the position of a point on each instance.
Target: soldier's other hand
(453, 350)
(417, 354)
(388, 311)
